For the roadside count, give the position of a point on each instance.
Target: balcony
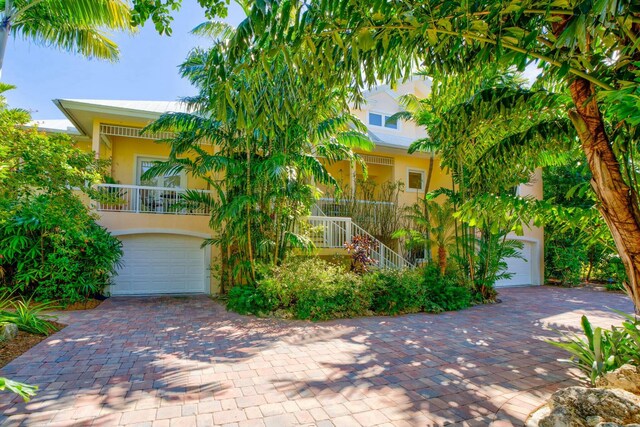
(362, 211)
(149, 200)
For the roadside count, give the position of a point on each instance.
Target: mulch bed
(84, 305)
(9, 350)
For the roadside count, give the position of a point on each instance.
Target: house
(163, 251)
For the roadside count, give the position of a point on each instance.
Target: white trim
(373, 159)
(384, 120)
(132, 132)
(207, 248)
(423, 181)
(159, 231)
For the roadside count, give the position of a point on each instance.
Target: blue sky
(147, 70)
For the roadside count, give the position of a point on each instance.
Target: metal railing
(334, 232)
(143, 199)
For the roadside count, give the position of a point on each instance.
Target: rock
(594, 421)
(586, 407)
(626, 377)
(558, 417)
(8, 332)
(537, 415)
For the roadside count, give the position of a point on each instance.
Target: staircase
(333, 232)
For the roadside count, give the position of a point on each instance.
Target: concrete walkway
(187, 362)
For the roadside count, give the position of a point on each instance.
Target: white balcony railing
(362, 211)
(334, 232)
(142, 199)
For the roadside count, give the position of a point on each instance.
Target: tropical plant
(265, 166)
(431, 224)
(578, 244)
(314, 289)
(397, 292)
(72, 25)
(23, 390)
(28, 316)
(50, 244)
(470, 119)
(586, 48)
(305, 288)
(444, 291)
(53, 250)
(603, 350)
(360, 249)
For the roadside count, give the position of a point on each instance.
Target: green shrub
(306, 288)
(603, 350)
(443, 290)
(610, 269)
(53, 250)
(345, 296)
(314, 289)
(247, 299)
(396, 291)
(564, 257)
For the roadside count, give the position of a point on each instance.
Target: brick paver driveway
(186, 361)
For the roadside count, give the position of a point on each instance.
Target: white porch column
(95, 138)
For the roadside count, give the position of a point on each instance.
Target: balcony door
(164, 199)
(168, 180)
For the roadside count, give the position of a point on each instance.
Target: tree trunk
(442, 259)
(427, 188)
(618, 203)
(4, 37)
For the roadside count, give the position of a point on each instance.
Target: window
(382, 120)
(375, 119)
(415, 180)
(391, 124)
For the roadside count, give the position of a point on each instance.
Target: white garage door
(520, 268)
(160, 264)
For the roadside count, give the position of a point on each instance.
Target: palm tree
(432, 224)
(259, 153)
(72, 25)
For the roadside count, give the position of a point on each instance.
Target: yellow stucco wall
(126, 151)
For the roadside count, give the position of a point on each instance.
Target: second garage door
(521, 269)
(161, 264)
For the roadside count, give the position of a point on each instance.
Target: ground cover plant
(315, 289)
(33, 326)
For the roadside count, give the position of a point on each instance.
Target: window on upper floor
(415, 179)
(382, 120)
